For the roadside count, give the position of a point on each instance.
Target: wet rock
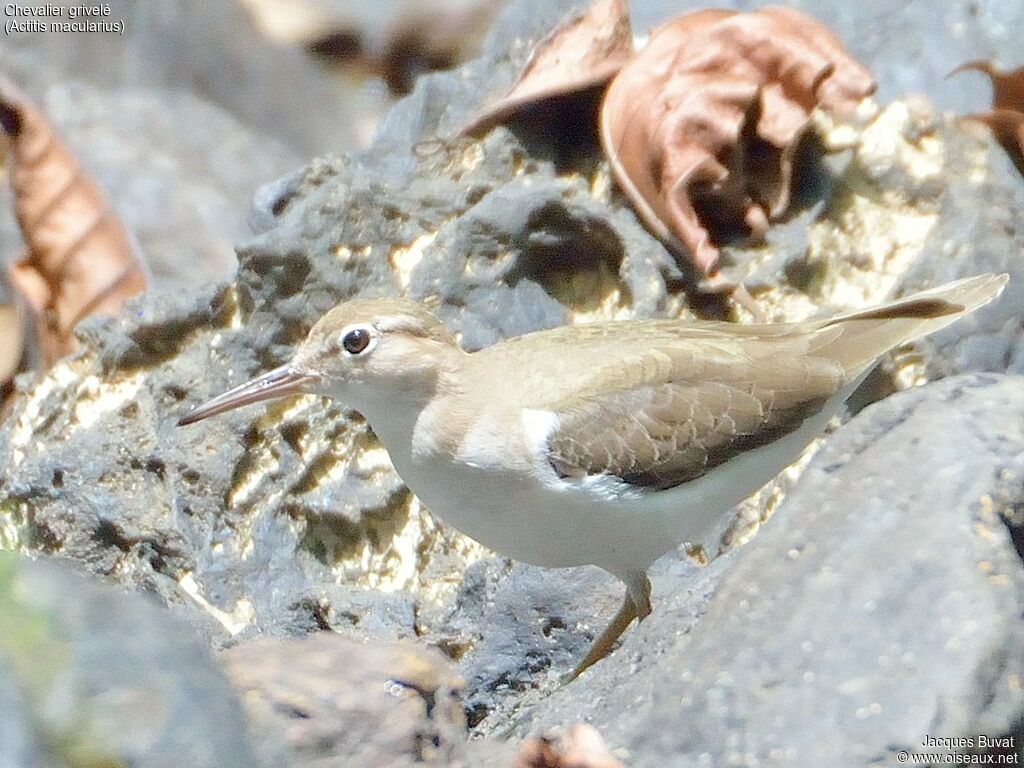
(93, 676)
(332, 701)
(880, 604)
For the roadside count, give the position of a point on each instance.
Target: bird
(608, 443)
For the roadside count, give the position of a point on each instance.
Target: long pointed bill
(279, 382)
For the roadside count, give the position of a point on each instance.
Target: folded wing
(662, 433)
(696, 396)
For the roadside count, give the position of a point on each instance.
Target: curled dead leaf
(582, 747)
(1006, 118)
(79, 260)
(702, 125)
(584, 51)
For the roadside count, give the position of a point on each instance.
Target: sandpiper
(605, 444)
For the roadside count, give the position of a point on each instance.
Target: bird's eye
(356, 341)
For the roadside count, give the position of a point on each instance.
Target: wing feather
(676, 419)
(658, 403)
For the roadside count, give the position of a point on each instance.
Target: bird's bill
(279, 382)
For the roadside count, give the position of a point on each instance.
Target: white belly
(565, 523)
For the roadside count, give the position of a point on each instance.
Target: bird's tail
(859, 338)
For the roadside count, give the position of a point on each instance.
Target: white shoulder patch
(486, 445)
(537, 427)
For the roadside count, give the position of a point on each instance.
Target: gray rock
(333, 702)
(978, 230)
(19, 745)
(395, 39)
(104, 677)
(880, 604)
(516, 629)
(440, 103)
(528, 250)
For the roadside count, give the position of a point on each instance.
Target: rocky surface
(288, 519)
(978, 224)
(96, 677)
(331, 701)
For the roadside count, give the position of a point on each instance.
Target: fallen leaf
(584, 51)
(1006, 118)
(79, 260)
(702, 125)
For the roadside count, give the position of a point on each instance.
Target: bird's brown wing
(686, 419)
(666, 402)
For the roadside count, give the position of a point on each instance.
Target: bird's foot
(636, 605)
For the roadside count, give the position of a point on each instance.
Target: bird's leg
(637, 605)
(604, 643)
(639, 589)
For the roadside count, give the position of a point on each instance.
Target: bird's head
(363, 352)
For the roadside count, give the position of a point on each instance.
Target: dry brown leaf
(1006, 118)
(583, 747)
(701, 126)
(584, 51)
(79, 260)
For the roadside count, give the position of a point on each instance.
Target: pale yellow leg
(637, 605)
(604, 643)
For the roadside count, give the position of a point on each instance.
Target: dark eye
(356, 341)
